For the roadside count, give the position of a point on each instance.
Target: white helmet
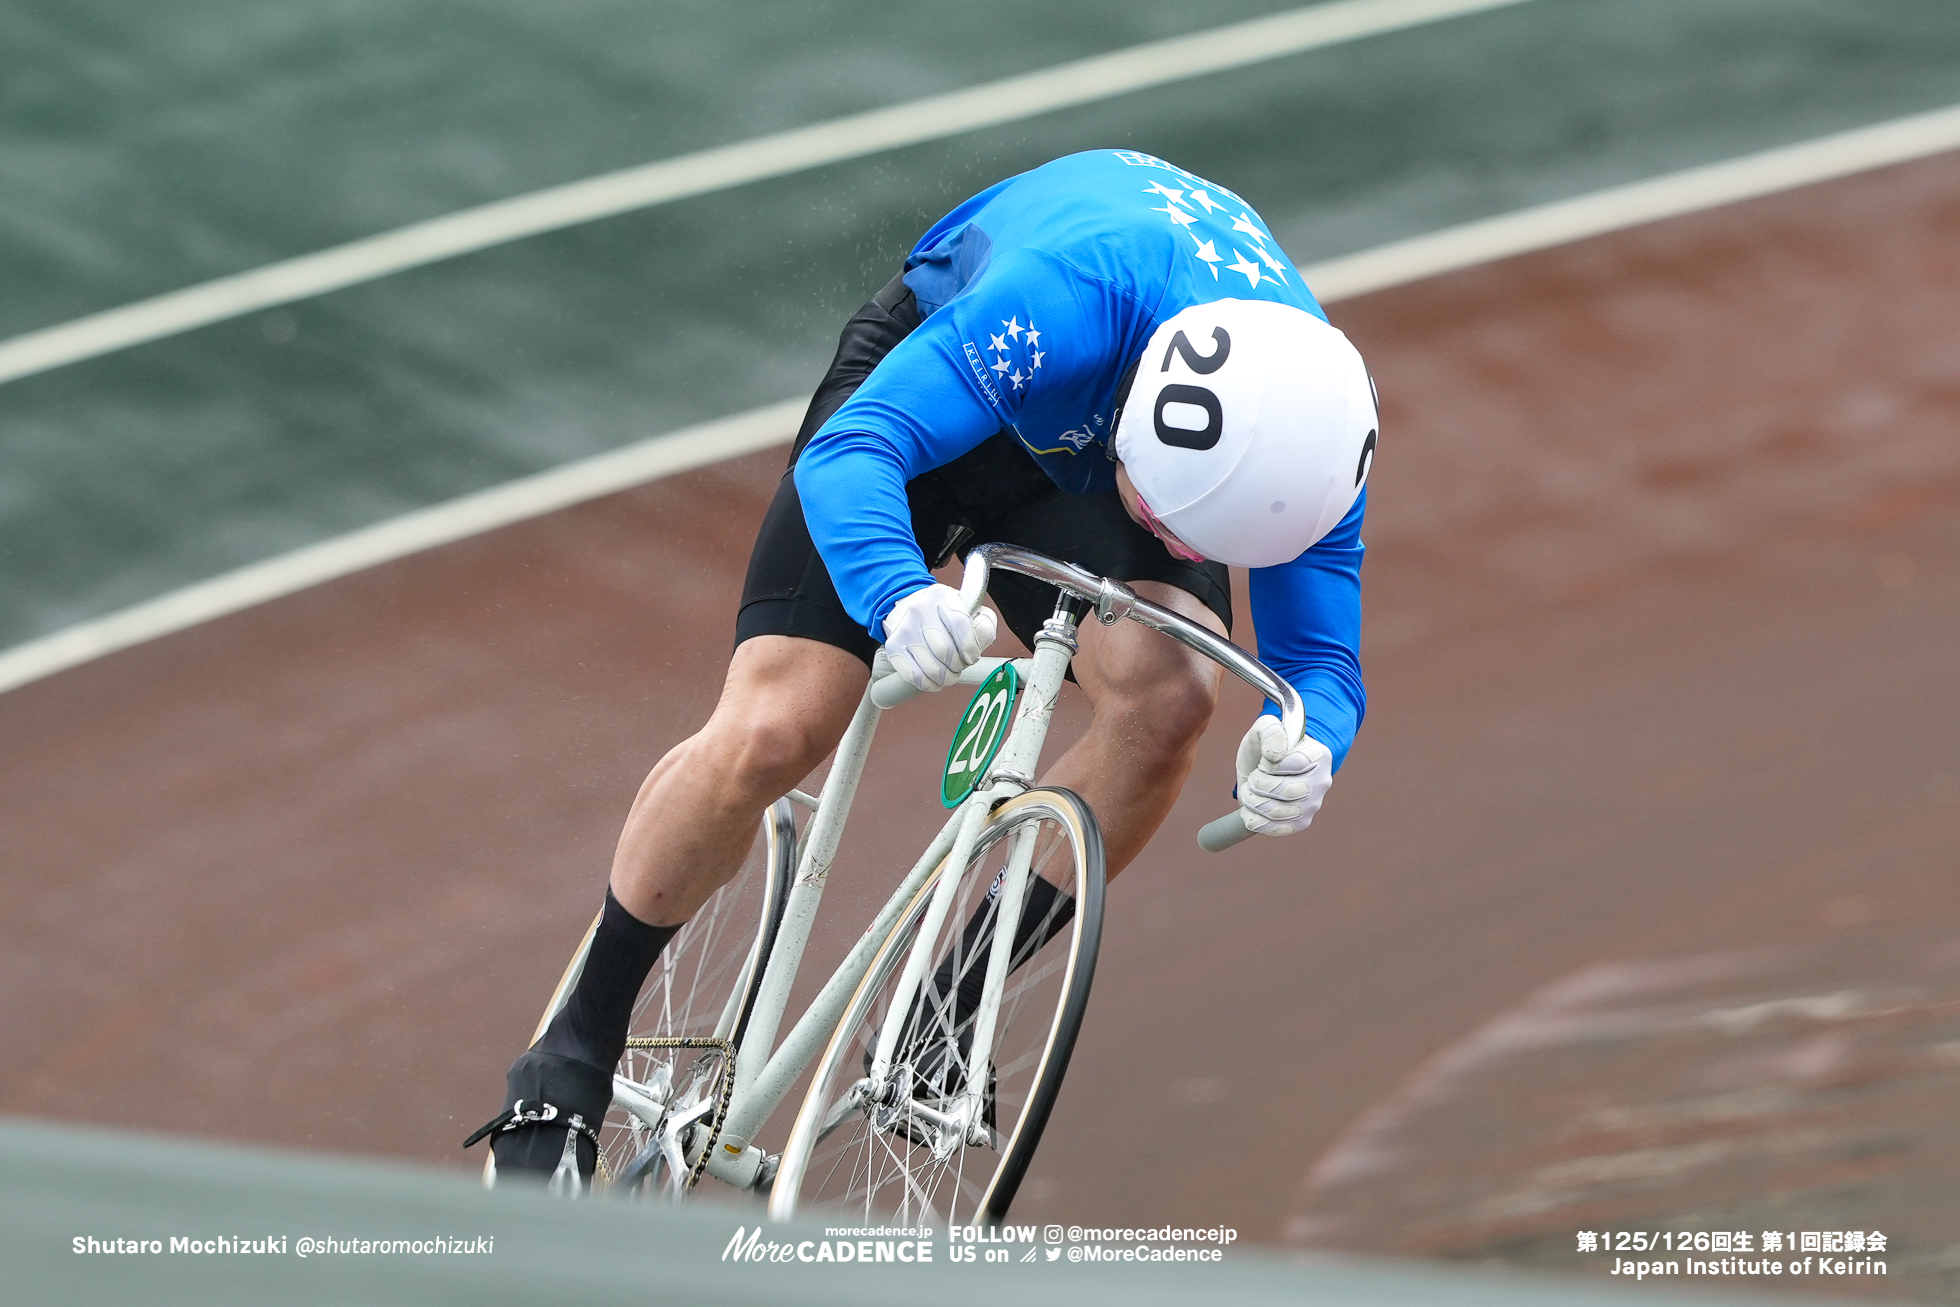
(1249, 430)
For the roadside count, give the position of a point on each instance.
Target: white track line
(1706, 187)
(411, 533)
(1083, 82)
(1391, 265)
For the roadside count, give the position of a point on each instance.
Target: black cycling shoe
(549, 1128)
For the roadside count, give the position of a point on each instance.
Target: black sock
(1045, 913)
(592, 1025)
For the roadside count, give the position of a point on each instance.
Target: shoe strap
(529, 1112)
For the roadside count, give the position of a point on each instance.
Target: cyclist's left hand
(1280, 788)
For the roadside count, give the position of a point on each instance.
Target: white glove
(931, 640)
(1280, 789)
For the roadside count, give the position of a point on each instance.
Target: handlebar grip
(973, 584)
(892, 691)
(1220, 835)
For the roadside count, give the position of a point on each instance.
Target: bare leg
(784, 705)
(1152, 699)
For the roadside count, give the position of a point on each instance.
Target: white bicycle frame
(764, 1077)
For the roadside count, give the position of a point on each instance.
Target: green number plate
(978, 738)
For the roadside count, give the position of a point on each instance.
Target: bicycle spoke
(933, 1145)
(695, 981)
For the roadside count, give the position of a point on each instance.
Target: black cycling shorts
(995, 491)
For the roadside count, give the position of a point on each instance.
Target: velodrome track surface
(526, 1248)
(1634, 904)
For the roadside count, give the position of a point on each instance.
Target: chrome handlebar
(1114, 601)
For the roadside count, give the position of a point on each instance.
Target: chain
(724, 1090)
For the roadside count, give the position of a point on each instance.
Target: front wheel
(929, 1145)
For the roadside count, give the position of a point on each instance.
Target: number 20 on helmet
(1250, 429)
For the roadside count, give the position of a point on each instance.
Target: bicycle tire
(889, 1171)
(710, 970)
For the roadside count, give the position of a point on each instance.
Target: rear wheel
(923, 1147)
(701, 991)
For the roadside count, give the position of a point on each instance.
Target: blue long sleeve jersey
(1036, 296)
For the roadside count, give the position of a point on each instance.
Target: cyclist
(1107, 359)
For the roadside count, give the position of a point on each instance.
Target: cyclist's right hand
(931, 639)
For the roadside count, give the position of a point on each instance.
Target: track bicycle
(937, 1048)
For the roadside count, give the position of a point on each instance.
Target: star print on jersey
(1190, 213)
(1015, 353)
(1247, 268)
